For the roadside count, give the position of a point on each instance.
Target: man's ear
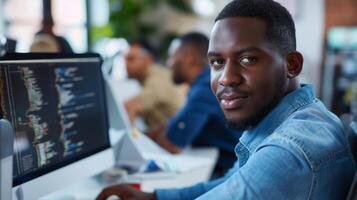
(294, 64)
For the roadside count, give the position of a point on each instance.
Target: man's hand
(158, 134)
(125, 192)
(156, 131)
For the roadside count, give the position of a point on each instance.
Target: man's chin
(246, 124)
(236, 126)
(241, 126)
(251, 122)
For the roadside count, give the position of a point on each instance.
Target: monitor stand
(6, 153)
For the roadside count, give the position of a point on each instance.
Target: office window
(22, 21)
(24, 16)
(70, 19)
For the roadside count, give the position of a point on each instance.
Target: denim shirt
(298, 151)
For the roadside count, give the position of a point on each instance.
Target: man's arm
(189, 122)
(193, 191)
(126, 192)
(274, 172)
(184, 127)
(158, 134)
(182, 131)
(134, 108)
(151, 94)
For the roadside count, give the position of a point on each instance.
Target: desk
(88, 189)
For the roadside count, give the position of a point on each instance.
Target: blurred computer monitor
(118, 118)
(56, 104)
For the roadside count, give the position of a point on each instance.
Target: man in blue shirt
(200, 122)
(292, 146)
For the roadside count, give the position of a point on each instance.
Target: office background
(326, 35)
(326, 32)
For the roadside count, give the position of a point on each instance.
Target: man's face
(176, 62)
(248, 75)
(136, 61)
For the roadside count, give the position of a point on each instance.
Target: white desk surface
(88, 189)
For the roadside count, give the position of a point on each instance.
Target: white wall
(1, 18)
(174, 21)
(310, 23)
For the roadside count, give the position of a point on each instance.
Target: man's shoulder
(159, 79)
(314, 132)
(203, 94)
(158, 73)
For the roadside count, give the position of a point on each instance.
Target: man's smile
(232, 100)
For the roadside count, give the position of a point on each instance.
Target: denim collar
(290, 103)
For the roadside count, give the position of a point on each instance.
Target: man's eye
(248, 60)
(216, 63)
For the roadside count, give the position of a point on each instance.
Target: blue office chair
(352, 194)
(6, 152)
(350, 125)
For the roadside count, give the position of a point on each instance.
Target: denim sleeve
(189, 122)
(273, 172)
(189, 192)
(194, 191)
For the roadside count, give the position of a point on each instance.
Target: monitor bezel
(48, 56)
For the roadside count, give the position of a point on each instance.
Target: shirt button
(181, 125)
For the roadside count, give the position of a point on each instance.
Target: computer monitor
(56, 104)
(118, 118)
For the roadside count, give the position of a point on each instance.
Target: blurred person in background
(46, 40)
(159, 99)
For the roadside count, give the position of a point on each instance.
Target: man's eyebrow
(213, 54)
(240, 51)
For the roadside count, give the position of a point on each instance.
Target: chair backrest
(350, 128)
(351, 135)
(352, 139)
(352, 194)
(6, 152)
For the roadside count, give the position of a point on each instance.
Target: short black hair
(280, 24)
(198, 41)
(145, 44)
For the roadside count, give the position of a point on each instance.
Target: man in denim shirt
(292, 146)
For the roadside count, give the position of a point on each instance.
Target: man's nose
(231, 75)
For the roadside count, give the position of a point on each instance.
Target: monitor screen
(57, 107)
